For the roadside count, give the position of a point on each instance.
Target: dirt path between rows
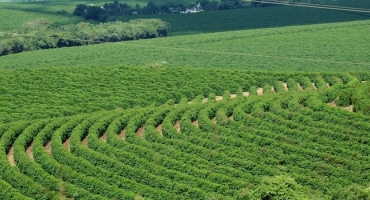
(246, 94)
(348, 108)
(214, 120)
(85, 141)
(122, 134)
(159, 129)
(10, 156)
(204, 100)
(219, 98)
(196, 123)
(177, 126)
(300, 88)
(232, 96)
(48, 148)
(67, 144)
(103, 137)
(29, 151)
(314, 86)
(260, 91)
(273, 89)
(140, 132)
(285, 87)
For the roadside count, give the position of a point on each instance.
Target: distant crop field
(17, 14)
(311, 48)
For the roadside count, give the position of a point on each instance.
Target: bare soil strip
(314, 86)
(246, 94)
(177, 126)
(29, 152)
(285, 87)
(231, 117)
(232, 96)
(103, 137)
(85, 141)
(140, 132)
(122, 134)
(273, 89)
(300, 88)
(67, 144)
(159, 129)
(190, 102)
(214, 120)
(196, 123)
(219, 98)
(48, 148)
(348, 108)
(363, 81)
(10, 156)
(260, 91)
(204, 100)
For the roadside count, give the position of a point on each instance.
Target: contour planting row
(43, 93)
(190, 150)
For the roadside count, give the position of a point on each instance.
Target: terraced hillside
(220, 147)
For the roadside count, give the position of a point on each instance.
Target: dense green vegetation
(315, 48)
(225, 20)
(274, 113)
(279, 145)
(43, 34)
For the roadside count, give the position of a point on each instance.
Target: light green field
(314, 48)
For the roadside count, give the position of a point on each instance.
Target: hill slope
(315, 48)
(226, 149)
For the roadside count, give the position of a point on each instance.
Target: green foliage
(277, 188)
(350, 192)
(42, 34)
(226, 50)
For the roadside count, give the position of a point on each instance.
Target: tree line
(43, 34)
(103, 13)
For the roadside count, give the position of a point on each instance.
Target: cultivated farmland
(270, 113)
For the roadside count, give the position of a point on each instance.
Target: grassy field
(311, 48)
